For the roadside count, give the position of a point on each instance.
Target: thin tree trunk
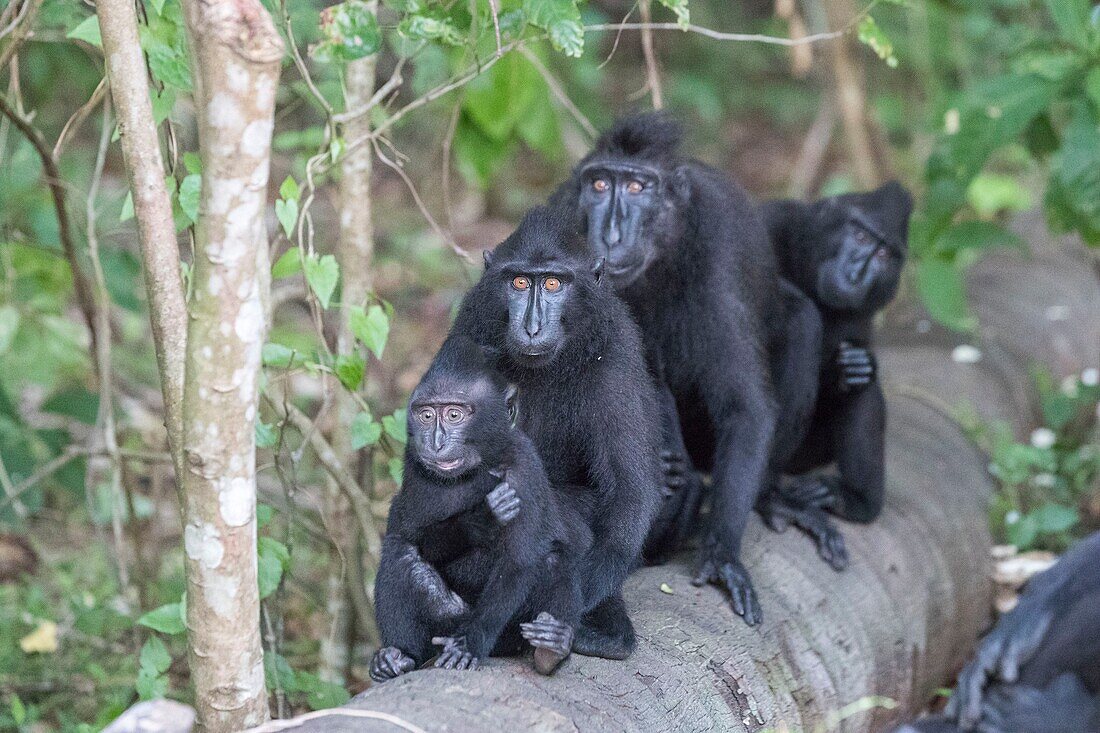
(236, 53)
(152, 207)
(354, 253)
(851, 97)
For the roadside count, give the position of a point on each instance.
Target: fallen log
(897, 624)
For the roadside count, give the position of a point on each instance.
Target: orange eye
(861, 236)
(520, 282)
(600, 185)
(426, 414)
(552, 284)
(634, 187)
(454, 415)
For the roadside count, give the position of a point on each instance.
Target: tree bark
(236, 55)
(852, 98)
(354, 253)
(152, 207)
(898, 623)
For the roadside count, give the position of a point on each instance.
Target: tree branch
(126, 73)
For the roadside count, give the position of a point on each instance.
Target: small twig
(652, 73)
(64, 228)
(559, 91)
(79, 116)
(723, 36)
(346, 712)
(446, 236)
(19, 29)
(58, 462)
(10, 490)
(331, 463)
(384, 91)
(495, 12)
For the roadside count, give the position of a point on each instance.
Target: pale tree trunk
(852, 99)
(236, 52)
(152, 207)
(354, 253)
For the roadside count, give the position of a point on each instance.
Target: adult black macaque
(585, 400)
(1038, 670)
(477, 543)
(687, 250)
(846, 253)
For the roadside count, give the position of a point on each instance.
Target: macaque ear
(487, 254)
(597, 268)
(510, 395)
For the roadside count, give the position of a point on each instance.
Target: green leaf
(273, 558)
(322, 274)
(9, 327)
(975, 235)
(350, 369)
(290, 263)
(321, 695)
(127, 212)
(154, 656)
(680, 8)
(1022, 532)
(1072, 19)
(151, 686)
(993, 193)
(498, 100)
(349, 31)
(87, 31)
(478, 156)
(371, 326)
(397, 469)
(396, 426)
(431, 25)
(286, 211)
(872, 36)
(289, 189)
(278, 672)
(561, 19)
(264, 514)
(168, 63)
(190, 191)
(943, 292)
(164, 101)
(168, 619)
(192, 162)
(1073, 192)
(266, 435)
(1054, 518)
(364, 431)
(18, 710)
(1092, 87)
(277, 355)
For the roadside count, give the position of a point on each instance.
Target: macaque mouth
(448, 465)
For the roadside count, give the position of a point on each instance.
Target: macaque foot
(503, 502)
(731, 575)
(552, 639)
(821, 492)
(675, 468)
(779, 512)
(855, 367)
(390, 662)
(455, 654)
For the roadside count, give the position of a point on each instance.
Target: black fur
(455, 568)
(585, 400)
(1037, 671)
(687, 250)
(846, 253)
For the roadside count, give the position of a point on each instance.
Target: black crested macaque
(846, 253)
(585, 400)
(686, 248)
(478, 551)
(1038, 670)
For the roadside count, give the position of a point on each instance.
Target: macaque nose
(614, 235)
(532, 326)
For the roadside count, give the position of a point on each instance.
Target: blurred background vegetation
(985, 108)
